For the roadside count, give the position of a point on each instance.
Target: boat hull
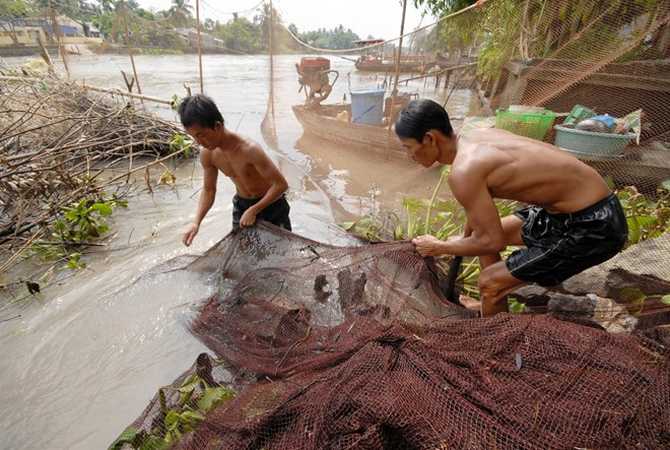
(323, 124)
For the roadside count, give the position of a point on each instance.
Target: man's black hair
(421, 116)
(200, 110)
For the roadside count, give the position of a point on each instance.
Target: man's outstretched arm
(207, 197)
(487, 236)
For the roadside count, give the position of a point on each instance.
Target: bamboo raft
(322, 123)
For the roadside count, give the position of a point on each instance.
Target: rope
(358, 49)
(226, 13)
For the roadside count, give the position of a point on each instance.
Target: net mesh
(355, 347)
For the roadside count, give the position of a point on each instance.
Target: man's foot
(470, 303)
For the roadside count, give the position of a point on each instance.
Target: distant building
(27, 31)
(17, 33)
(90, 30)
(208, 41)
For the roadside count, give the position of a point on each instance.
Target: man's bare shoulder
(249, 149)
(206, 157)
(476, 158)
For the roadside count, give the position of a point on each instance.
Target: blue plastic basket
(591, 145)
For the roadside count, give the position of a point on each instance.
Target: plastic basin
(591, 145)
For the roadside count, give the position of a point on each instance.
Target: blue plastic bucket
(367, 107)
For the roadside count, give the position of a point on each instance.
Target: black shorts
(559, 246)
(275, 213)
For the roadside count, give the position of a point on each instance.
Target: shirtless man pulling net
(259, 183)
(574, 221)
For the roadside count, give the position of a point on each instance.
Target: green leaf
(74, 261)
(634, 232)
(192, 417)
(172, 419)
(59, 226)
(127, 437)
(398, 233)
(102, 229)
(103, 209)
(646, 221)
(665, 299)
(666, 184)
(212, 396)
(71, 215)
(414, 205)
(154, 443)
(515, 307)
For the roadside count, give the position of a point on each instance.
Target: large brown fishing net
(324, 347)
(355, 347)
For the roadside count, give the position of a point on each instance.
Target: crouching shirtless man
(260, 186)
(574, 221)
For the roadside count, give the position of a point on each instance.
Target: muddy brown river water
(84, 358)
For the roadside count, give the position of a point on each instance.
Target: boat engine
(314, 77)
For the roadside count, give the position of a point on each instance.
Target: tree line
(157, 28)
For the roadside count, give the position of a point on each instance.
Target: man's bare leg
(495, 282)
(512, 229)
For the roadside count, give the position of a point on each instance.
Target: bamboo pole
(272, 61)
(399, 52)
(394, 92)
(96, 89)
(130, 50)
(270, 33)
(197, 18)
(446, 70)
(57, 31)
(127, 94)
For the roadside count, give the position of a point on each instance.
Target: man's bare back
(528, 171)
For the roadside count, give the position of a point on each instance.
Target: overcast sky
(380, 18)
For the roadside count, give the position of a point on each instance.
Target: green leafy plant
(79, 225)
(196, 398)
(181, 142)
(646, 218)
(442, 218)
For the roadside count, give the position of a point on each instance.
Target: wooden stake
(197, 18)
(55, 28)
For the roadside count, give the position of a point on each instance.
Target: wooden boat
(323, 123)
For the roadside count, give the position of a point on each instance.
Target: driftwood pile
(57, 144)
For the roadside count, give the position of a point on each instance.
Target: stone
(583, 309)
(645, 266)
